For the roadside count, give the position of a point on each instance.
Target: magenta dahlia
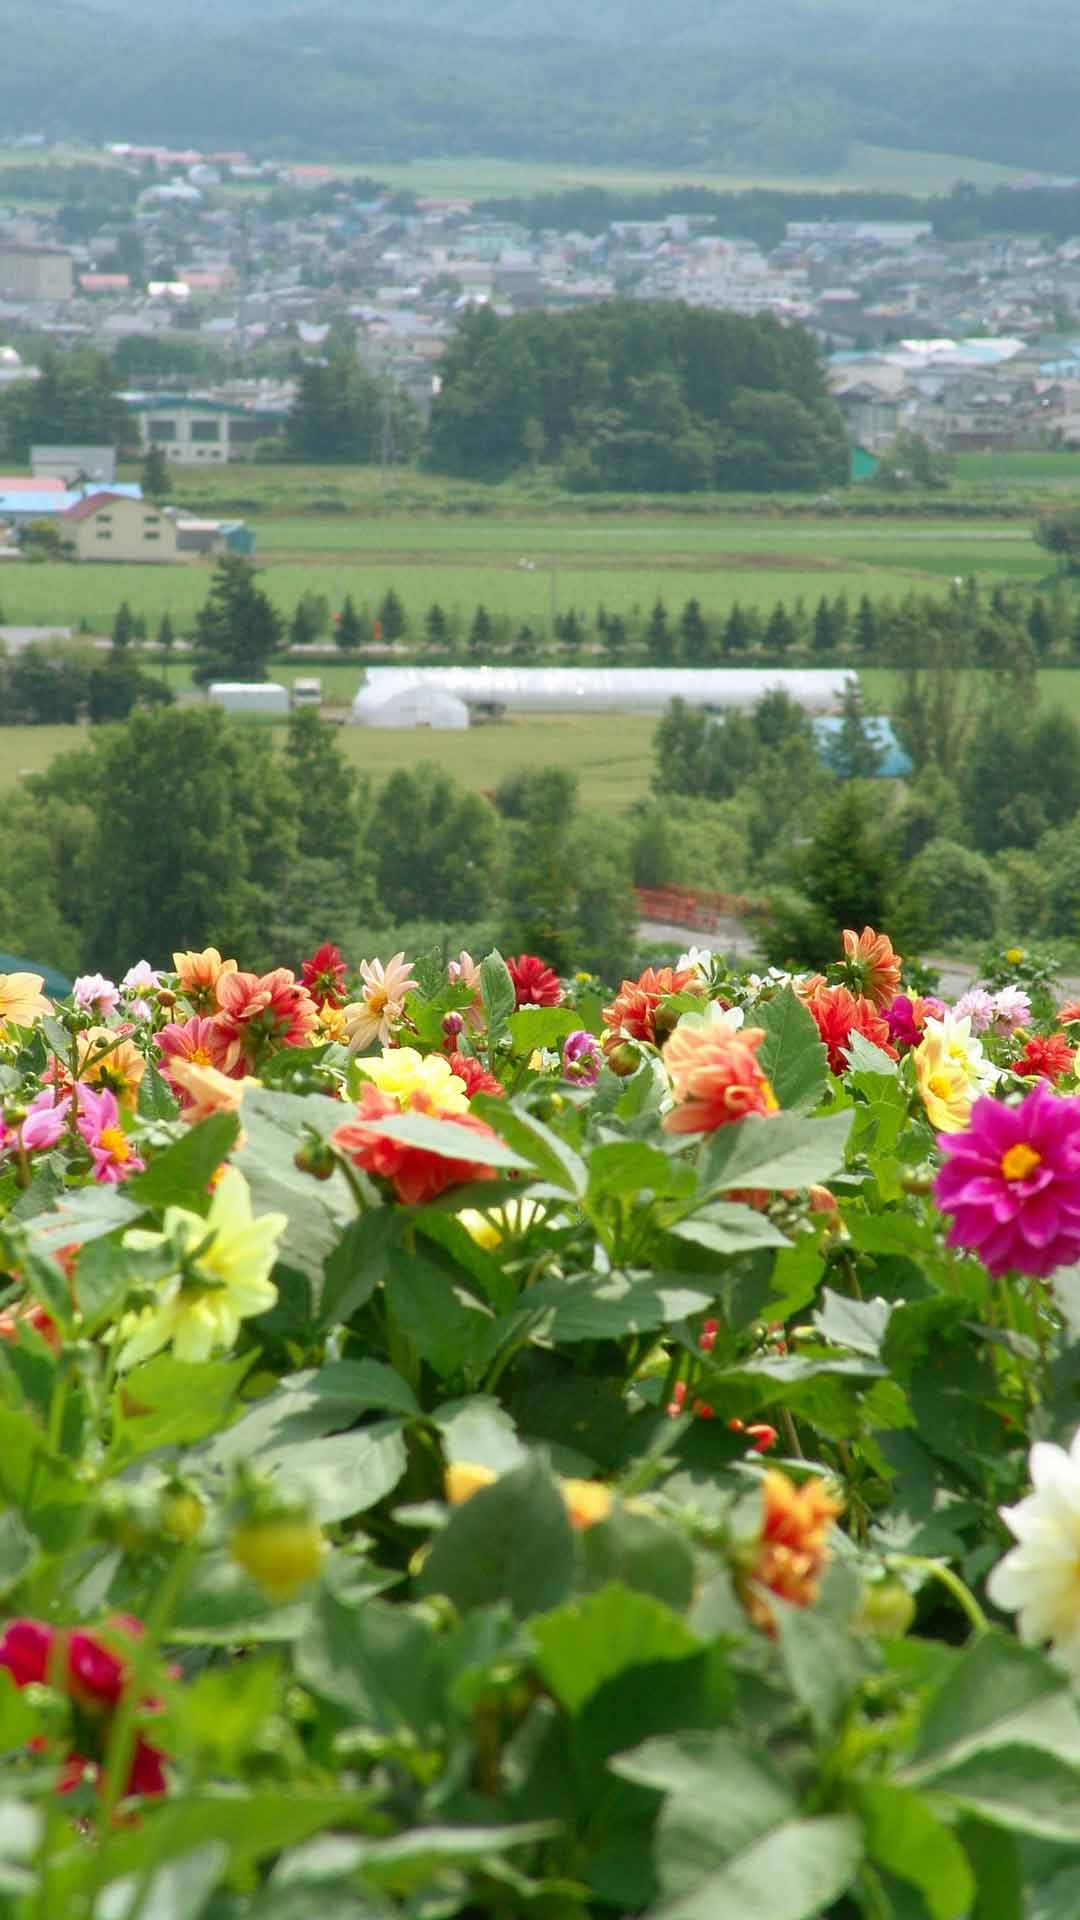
(1012, 1183)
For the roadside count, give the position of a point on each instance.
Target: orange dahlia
(198, 975)
(260, 1014)
(715, 1077)
(870, 965)
(792, 1546)
(632, 1013)
(415, 1174)
(838, 1015)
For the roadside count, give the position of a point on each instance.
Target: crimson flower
(535, 985)
(838, 1014)
(1049, 1055)
(324, 976)
(476, 1076)
(94, 1678)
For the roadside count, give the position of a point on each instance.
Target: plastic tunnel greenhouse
(382, 701)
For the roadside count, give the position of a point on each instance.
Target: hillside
(710, 83)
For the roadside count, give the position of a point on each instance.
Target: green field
(528, 565)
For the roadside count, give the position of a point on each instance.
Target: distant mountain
(777, 84)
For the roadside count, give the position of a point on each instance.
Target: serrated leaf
(449, 1141)
(824, 1664)
(541, 1147)
(726, 1227)
(774, 1151)
(792, 1054)
(858, 1324)
(180, 1176)
(588, 1307)
(1018, 1787)
(582, 1646)
(866, 1058)
(511, 1542)
(999, 1693)
(497, 993)
(532, 1027)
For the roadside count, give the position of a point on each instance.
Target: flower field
(477, 1443)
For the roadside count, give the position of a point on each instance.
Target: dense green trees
(342, 412)
(637, 396)
(74, 403)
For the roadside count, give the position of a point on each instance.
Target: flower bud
(624, 1059)
(315, 1157)
(452, 1025)
(885, 1607)
(166, 998)
(183, 1515)
(282, 1552)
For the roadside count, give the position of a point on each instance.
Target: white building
(390, 692)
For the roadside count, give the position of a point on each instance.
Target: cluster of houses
(969, 343)
(73, 493)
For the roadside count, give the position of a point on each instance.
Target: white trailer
(257, 699)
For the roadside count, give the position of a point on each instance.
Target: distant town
(969, 344)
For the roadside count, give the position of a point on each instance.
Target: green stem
(938, 1570)
(122, 1734)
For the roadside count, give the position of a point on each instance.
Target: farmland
(535, 560)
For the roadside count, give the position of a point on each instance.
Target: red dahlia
(534, 982)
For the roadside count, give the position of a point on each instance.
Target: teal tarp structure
(55, 983)
(895, 762)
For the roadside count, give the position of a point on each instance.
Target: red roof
(84, 509)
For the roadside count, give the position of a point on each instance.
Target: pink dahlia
(1011, 1182)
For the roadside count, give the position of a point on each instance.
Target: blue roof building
(895, 763)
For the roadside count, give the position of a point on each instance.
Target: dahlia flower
(464, 972)
(46, 1118)
(715, 1077)
(906, 1016)
(21, 1000)
(871, 966)
(193, 1039)
(95, 1678)
(838, 1014)
(381, 1006)
(943, 1084)
(324, 976)
(198, 975)
(1011, 1183)
(474, 1075)
(94, 994)
(1048, 1055)
(107, 1058)
(535, 985)
(98, 1122)
(792, 1547)
(221, 1277)
(586, 1501)
(1012, 1010)
(491, 1227)
(258, 1014)
(632, 1013)
(1039, 1578)
(203, 1090)
(976, 1006)
(582, 1058)
(959, 1045)
(412, 1079)
(416, 1174)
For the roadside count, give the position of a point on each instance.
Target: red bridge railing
(698, 909)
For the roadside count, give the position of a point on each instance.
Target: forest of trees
(632, 395)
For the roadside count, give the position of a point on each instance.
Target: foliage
(342, 412)
(73, 403)
(238, 627)
(637, 397)
(947, 892)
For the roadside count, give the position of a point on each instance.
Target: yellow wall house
(109, 526)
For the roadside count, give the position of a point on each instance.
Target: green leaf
(179, 1890)
(586, 1307)
(994, 1856)
(622, 1168)
(540, 1147)
(643, 1552)
(865, 1058)
(480, 1431)
(1055, 1899)
(511, 1541)
(824, 1663)
(1019, 1788)
(376, 1664)
(353, 1269)
(180, 1176)
(306, 1406)
(42, 1488)
(344, 1473)
(446, 1323)
(540, 1027)
(88, 1213)
(905, 1837)
(219, 1714)
(858, 1324)
(998, 1694)
(275, 1126)
(103, 1280)
(804, 1865)
(726, 1227)
(771, 1151)
(449, 1141)
(580, 1647)
(172, 1403)
(497, 993)
(720, 1797)
(156, 1100)
(792, 1054)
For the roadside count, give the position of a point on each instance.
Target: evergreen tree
(1040, 627)
(852, 752)
(866, 626)
(823, 639)
(391, 618)
(841, 621)
(301, 628)
(436, 627)
(659, 640)
(348, 632)
(524, 643)
(325, 788)
(166, 639)
(780, 630)
(570, 631)
(238, 628)
(481, 633)
(154, 477)
(615, 637)
(123, 627)
(735, 635)
(693, 634)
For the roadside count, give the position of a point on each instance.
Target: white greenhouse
(394, 696)
(419, 706)
(265, 698)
